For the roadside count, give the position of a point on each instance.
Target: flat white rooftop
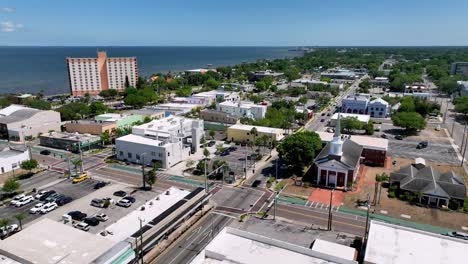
(392, 244)
(259, 128)
(48, 242)
(128, 225)
(362, 118)
(235, 246)
(11, 109)
(139, 140)
(365, 141)
(241, 104)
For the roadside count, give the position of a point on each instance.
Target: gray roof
(349, 159)
(429, 181)
(18, 115)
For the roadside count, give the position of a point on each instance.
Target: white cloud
(8, 26)
(7, 9)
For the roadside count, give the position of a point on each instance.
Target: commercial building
(232, 245)
(23, 98)
(168, 141)
(374, 149)
(381, 82)
(217, 116)
(147, 112)
(92, 127)
(436, 188)
(340, 74)
(259, 75)
(216, 96)
(69, 141)
(120, 120)
(11, 156)
(93, 75)
(18, 122)
(337, 164)
(243, 109)
(334, 119)
(242, 133)
(395, 244)
(416, 88)
(459, 68)
(356, 104)
(378, 108)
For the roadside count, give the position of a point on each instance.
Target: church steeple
(336, 145)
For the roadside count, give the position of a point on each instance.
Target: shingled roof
(430, 181)
(349, 159)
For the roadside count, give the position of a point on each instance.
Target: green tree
(151, 177)
(20, 217)
(409, 120)
(105, 138)
(299, 150)
(29, 165)
(261, 86)
(407, 104)
(369, 127)
(74, 111)
(212, 83)
(11, 185)
(212, 133)
(110, 93)
(351, 124)
(98, 108)
(38, 104)
(461, 105)
(135, 100)
(206, 153)
(184, 91)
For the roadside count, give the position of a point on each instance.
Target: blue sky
(234, 23)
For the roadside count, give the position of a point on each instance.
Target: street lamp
(141, 238)
(142, 155)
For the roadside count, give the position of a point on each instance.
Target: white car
(82, 226)
(4, 231)
(102, 217)
(16, 199)
(124, 203)
(25, 200)
(36, 208)
(48, 207)
(40, 194)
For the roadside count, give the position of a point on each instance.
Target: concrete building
(168, 141)
(242, 133)
(334, 119)
(48, 241)
(243, 109)
(19, 122)
(259, 75)
(92, 127)
(381, 82)
(416, 88)
(93, 75)
(120, 120)
(233, 245)
(374, 150)
(69, 141)
(395, 244)
(147, 112)
(459, 68)
(340, 74)
(356, 104)
(11, 156)
(217, 116)
(337, 164)
(217, 96)
(378, 108)
(23, 98)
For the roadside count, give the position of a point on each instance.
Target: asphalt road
(195, 240)
(38, 180)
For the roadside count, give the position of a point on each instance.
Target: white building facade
(12, 157)
(243, 109)
(93, 75)
(356, 104)
(378, 108)
(168, 141)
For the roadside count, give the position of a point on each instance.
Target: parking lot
(75, 191)
(237, 159)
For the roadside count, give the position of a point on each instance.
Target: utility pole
(81, 157)
(367, 222)
(143, 170)
(206, 176)
(276, 168)
(463, 145)
(141, 239)
(330, 211)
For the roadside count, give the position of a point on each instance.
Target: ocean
(30, 69)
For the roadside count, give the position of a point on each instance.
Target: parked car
(256, 183)
(97, 203)
(457, 234)
(225, 153)
(322, 120)
(77, 215)
(323, 114)
(422, 144)
(82, 226)
(232, 148)
(124, 203)
(25, 200)
(92, 221)
(383, 136)
(99, 185)
(130, 198)
(102, 217)
(36, 208)
(120, 193)
(111, 201)
(399, 137)
(46, 195)
(40, 194)
(45, 152)
(54, 197)
(48, 208)
(330, 130)
(17, 199)
(211, 143)
(437, 128)
(80, 178)
(328, 114)
(64, 200)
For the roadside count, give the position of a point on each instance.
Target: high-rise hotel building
(93, 75)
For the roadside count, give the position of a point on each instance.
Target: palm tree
(77, 163)
(4, 222)
(20, 217)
